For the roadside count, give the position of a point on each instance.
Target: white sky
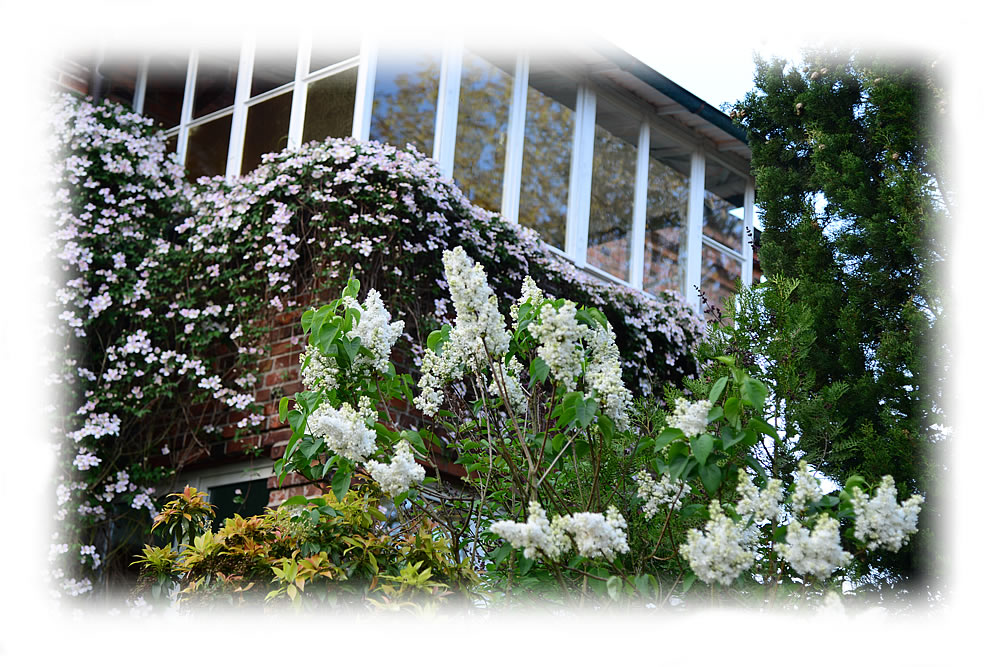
(705, 47)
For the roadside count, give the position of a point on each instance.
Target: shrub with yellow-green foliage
(309, 552)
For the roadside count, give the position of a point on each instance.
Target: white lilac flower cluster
(656, 493)
(345, 429)
(807, 488)
(690, 418)
(814, 552)
(319, 373)
(603, 377)
(478, 336)
(880, 520)
(400, 474)
(719, 553)
(762, 505)
(560, 339)
(595, 535)
(376, 331)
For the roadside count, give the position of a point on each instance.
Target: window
(666, 215)
(481, 139)
(405, 99)
(612, 190)
(548, 148)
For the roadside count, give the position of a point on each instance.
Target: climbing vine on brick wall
(164, 290)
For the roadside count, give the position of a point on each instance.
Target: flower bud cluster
(718, 553)
(376, 331)
(345, 429)
(657, 493)
(817, 551)
(762, 505)
(560, 337)
(807, 488)
(881, 520)
(595, 535)
(400, 474)
(603, 377)
(690, 418)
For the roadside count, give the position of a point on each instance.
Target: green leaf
(352, 289)
(524, 564)
(717, 389)
(538, 372)
(614, 585)
(713, 414)
(711, 477)
(295, 500)
(702, 446)
(585, 411)
(667, 436)
(731, 437)
(606, 427)
(688, 582)
(732, 409)
(754, 392)
(307, 318)
(283, 408)
(341, 481)
(763, 427)
(325, 337)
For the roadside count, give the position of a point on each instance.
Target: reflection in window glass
(172, 143)
(271, 70)
(720, 274)
(666, 227)
(330, 106)
(208, 147)
(548, 149)
(481, 141)
(215, 83)
(119, 76)
(405, 100)
(724, 191)
(329, 50)
(165, 89)
(267, 129)
(612, 191)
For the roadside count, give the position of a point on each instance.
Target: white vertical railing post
(581, 169)
(446, 122)
(238, 125)
(695, 220)
(365, 90)
(297, 120)
(637, 252)
(516, 119)
(187, 104)
(746, 275)
(141, 76)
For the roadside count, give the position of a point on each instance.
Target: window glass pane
(548, 148)
(481, 141)
(719, 275)
(330, 106)
(165, 88)
(724, 191)
(612, 190)
(405, 99)
(271, 69)
(172, 143)
(119, 75)
(207, 149)
(327, 50)
(666, 215)
(267, 129)
(215, 83)
(243, 498)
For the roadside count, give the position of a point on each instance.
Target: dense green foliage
(847, 158)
